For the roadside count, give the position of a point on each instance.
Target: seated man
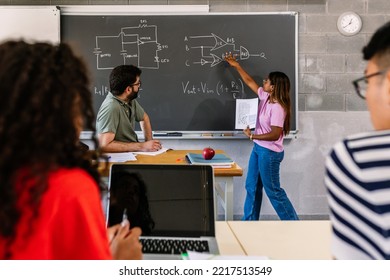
(115, 122)
(358, 168)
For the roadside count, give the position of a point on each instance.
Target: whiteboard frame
(195, 10)
(30, 23)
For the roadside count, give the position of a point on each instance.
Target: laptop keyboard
(173, 246)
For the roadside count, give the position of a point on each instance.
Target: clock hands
(348, 23)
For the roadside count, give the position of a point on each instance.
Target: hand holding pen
(125, 220)
(124, 242)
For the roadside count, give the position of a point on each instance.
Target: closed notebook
(217, 160)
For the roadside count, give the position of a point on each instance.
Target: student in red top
(50, 205)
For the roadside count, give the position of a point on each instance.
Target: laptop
(173, 205)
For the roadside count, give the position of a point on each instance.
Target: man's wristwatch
(251, 137)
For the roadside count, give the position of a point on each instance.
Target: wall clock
(349, 23)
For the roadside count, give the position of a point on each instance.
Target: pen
(125, 220)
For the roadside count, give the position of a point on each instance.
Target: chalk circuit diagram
(211, 49)
(137, 45)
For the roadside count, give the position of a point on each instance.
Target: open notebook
(173, 205)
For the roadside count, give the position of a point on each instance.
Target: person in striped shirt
(358, 168)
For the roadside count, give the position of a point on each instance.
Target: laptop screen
(164, 200)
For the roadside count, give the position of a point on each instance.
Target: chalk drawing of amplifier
(136, 45)
(211, 50)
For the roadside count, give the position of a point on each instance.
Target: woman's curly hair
(44, 88)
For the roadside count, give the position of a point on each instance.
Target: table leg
(224, 194)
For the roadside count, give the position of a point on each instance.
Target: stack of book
(218, 161)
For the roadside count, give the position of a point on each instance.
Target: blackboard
(186, 84)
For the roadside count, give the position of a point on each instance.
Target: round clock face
(349, 23)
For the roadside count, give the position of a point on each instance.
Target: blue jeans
(263, 172)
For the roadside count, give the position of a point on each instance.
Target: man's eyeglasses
(361, 83)
(137, 84)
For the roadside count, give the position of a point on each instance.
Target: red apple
(208, 153)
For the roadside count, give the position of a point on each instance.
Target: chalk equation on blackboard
(138, 46)
(102, 90)
(211, 50)
(234, 88)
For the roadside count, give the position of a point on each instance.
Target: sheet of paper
(121, 157)
(162, 150)
(246, 113)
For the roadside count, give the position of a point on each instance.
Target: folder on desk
(218, 161)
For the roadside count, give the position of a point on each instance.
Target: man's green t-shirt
(119, 117)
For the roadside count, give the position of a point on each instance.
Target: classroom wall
(328, 107)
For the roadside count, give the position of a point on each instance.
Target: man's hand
(151, 146)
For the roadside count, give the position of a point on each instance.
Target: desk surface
(284, 240)
(179, 157)
(227, 243)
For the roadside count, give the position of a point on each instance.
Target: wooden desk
(223, 176)
(227, 242)
(284, 240)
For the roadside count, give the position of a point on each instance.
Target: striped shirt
(358, 184)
